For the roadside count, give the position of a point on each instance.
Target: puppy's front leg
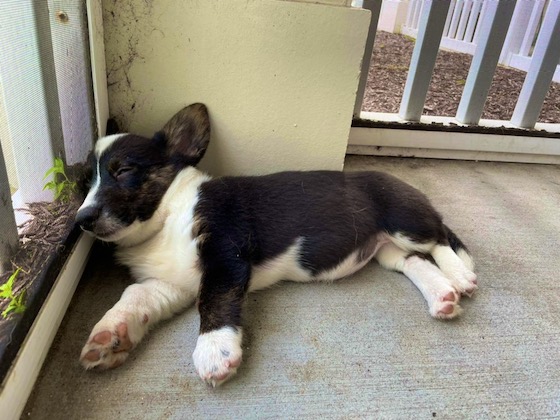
(123, 326)
(218, 349)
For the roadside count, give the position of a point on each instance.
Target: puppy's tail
(459, 247)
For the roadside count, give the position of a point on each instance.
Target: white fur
(454, 269)
(101, 145)
(283, 267)
(349, 265)
(467, 260)
(407, 244)
(353, 263)
(104, 142)
(163, 246)
(162, 255)
(429, 280)
(287, 266)
(218, 354)
(141, 306)
(391, 257)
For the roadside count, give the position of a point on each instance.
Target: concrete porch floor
(362, 347)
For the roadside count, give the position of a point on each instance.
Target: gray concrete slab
(362, 347)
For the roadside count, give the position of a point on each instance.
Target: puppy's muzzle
(87, 217)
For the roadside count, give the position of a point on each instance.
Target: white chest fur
(170, 254)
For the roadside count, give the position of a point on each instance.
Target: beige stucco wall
(279, 77)
(332, 2)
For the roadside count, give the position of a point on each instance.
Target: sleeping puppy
(187, 237)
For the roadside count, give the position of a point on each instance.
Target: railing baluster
(374, 6)
(8, 229)
(465, 15)
(455, 19)
(475, 10)
(448, 19)
(532, 26)
(410, 13)
(543, 64)
(493, 32)
(517, 30)
(483, 8)
(30, 94)
(417, 12)
(423, 59)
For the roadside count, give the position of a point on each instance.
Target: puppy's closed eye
(122, 173)
(121, 170)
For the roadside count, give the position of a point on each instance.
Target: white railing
(46, 107)
(482, 27)
(462, 28)
(46, 111)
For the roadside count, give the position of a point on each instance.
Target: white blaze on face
(100, 147)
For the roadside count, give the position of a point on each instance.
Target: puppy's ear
(112, 127)
(187, 134)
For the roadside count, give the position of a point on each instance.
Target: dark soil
(44, 246)
(389, 69)
(41, 236)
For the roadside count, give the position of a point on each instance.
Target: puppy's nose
(87, 217)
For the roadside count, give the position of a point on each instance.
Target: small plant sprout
(60, 185)
(15, 305)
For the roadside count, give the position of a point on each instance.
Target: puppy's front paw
(218, 355)
(110, 342)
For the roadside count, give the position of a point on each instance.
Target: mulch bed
(389, 69)
(45, 243)
(41, 236)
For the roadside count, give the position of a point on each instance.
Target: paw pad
(107, 349)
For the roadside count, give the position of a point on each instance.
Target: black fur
(136, 171)
(241, 222)
(249, 220)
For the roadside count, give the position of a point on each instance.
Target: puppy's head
(132, 173)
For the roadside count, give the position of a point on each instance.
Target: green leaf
(49, 172)
(5, 293)
(6, 289)
(57, 168)
(20, 307)
(16, 305)
(61, 185)
(49, 185)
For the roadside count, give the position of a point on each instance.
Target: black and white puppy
(186, 236)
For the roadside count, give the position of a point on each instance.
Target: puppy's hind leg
(459, 247)
(456, 263)
(443, 300)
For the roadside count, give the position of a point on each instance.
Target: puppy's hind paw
(446, 306)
